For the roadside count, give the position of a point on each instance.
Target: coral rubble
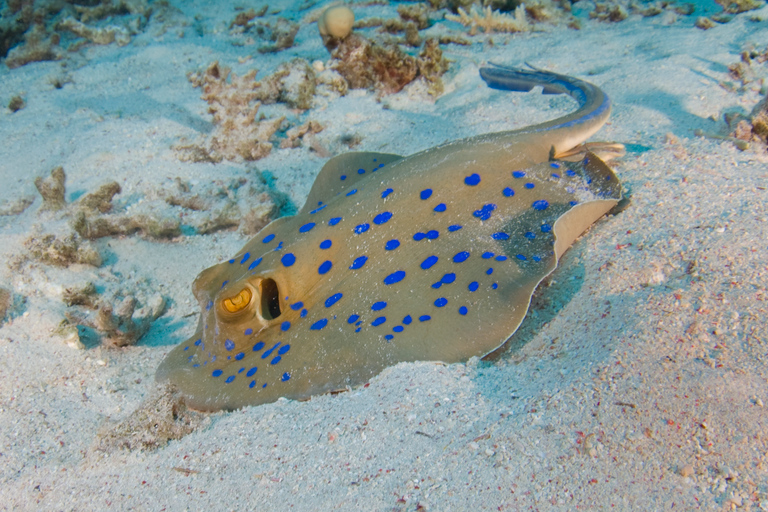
(491, 21)
(233, 102)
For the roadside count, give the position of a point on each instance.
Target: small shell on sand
(336, 22)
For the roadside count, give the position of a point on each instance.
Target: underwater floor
(130, 163)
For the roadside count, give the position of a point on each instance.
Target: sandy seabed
(639, 377)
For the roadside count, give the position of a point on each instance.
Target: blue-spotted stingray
(433, 256)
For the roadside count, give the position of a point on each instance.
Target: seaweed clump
(162, 417)
(367, 64)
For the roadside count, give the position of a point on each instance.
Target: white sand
(646, 353)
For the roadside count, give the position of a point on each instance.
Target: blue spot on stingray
(269, 352)
(473, 286)
(378, 306)
(245, 257)
(570, 172)
(485, 212)
(419, 236)
(427, 263)
(529, 235)
(394, 277)
(500, 236)
(251, 372)
(285, 326)
(519, 174)
(442, 301)
(239, 356)
(324, 267)
(472, 180)
(288, 259)
(573, 203)
(352, 192)
(306, 227)
(303, 313)
(275, 360)
(231, 261)
(379, 321)
(487, 255)
(362, 228)
(432, 234)
(453, 228)
(258, 346)
(343, 177)
(489, 271)
(555, 175)
(229, 344)
(501, 258)
(224, 283)
(407, 320)
(198, 342)
(252, 384)
(358, 263)
(392, 245)
(326, 244)
(388, 337)
(333, 299)
(318, 209)
(279, 246)
(448, 278)
(334, 221)
(286, 376)
(508, 192)
(361, 171)
(529, 185)
(297, 306)
(386, 193)
(352, 319)
(463, 310)
(382, 218)
(230, 379)
(209, 305)
(521, 257)
(268, 238)
(540, 205)
(398, 328)
(495, 285)
(216, 373)
(425, 193)
(254, 264)
(440, 208)
(554, 165)
(424, 318)
(546, 228)
(319, 324)
(461, 257)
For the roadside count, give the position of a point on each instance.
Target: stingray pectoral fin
(604, 184)
(343, 171)
(606, 151)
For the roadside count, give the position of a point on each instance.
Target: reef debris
(753, 128)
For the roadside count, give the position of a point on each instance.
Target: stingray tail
(571, 130)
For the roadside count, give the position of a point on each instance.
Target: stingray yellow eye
(238, 302)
